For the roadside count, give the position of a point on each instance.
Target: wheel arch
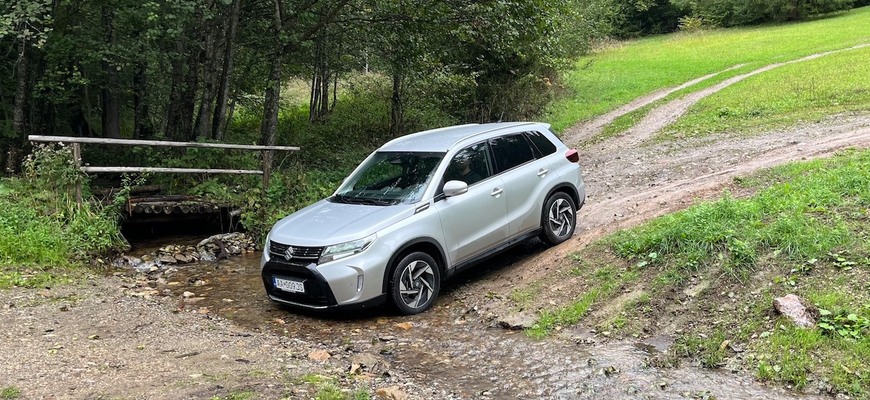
(566, 188)
(427, 245)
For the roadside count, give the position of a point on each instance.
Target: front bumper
(352, 282)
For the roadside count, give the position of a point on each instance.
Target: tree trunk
(141, 120)
(396, 111)
(272, 96)
(188, 96)
(316, 76)
(173, 107)
(206, 104)
(20, 109)
(223, 91)
(110, 101)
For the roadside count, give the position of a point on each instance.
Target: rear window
(510, 151)
(544, 146)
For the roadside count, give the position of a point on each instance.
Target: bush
(43, 231)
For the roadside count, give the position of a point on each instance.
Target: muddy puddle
(450, 351)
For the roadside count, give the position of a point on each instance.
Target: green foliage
(707, 347)
(844, 323)
(800, 219)
(245, 395)
(604, 281)
(44, 233)
(10, 393)
(727, 13)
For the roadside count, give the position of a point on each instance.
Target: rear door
(525, 178)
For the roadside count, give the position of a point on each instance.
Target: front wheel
(559, 218)
(415, 283)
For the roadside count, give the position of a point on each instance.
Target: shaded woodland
(183, 69)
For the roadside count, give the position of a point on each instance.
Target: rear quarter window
(544, 146)
(510, 151)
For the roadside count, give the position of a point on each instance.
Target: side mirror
(455, 188)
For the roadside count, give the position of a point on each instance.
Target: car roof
(443, 139)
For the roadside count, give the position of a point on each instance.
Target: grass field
(805, 231)
(787, 95)
(615, 75)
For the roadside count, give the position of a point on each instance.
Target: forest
(334, 77)
(189, 69)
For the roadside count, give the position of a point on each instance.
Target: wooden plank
(172, 170)
(72, 139)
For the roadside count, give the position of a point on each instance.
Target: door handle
(496, 192)
(543, 172)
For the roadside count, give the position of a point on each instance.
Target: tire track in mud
(668, 113)
(590, 129)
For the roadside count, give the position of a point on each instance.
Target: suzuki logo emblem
(288, 254)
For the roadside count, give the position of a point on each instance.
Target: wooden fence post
(77, 160)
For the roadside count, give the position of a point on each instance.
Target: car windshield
(389, 178)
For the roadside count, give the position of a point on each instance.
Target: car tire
(559, 218)
(415, 283)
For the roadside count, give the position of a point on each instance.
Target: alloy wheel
(561, 217)
(417, 284)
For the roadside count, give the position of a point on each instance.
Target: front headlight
(347, 249)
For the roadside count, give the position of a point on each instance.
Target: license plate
(289, 285)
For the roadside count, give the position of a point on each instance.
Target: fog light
(359, 283)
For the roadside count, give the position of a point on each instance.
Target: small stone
(319, 355)
(518, 321)
(188, 294)
(405, 325)
(390, 393)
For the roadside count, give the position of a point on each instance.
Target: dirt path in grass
(207, 331)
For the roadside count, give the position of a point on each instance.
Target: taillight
(572, 155)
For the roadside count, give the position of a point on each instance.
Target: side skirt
(493, 251)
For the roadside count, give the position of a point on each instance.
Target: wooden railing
(76, 143)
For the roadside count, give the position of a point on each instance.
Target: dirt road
(142, 337)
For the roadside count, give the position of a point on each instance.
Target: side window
(543, 145)
(470, 165)
(510, 151)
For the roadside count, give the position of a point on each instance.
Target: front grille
(306, 254)
(317, 292)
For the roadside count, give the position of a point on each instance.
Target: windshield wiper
(362, 200)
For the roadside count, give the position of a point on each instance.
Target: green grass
(603, 281)
(805, 232)
(327, 388)
(614, 76)
(805, 91)
(45, 237)
(806, 216)
(244, 395)
(10, 393)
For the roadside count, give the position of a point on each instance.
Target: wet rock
(367, 362)
(518, 321)
(319, 355)
(390, 393)
(793, 307)
(405, 325)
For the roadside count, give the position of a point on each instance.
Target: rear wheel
(559, 219)
(415, 283)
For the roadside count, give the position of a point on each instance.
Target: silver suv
(418, 210)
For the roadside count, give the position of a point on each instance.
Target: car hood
(325, 223)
